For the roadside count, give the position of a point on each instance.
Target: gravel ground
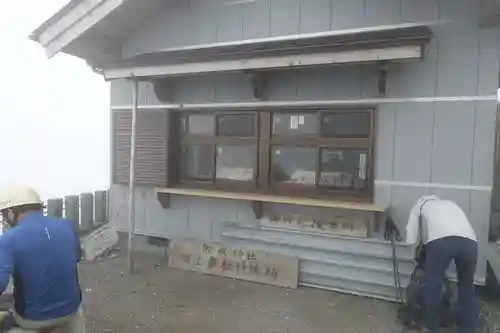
(159, 299)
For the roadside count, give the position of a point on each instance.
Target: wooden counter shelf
(257, 200)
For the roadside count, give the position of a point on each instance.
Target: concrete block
(55, 208)
(100, 207)
(71, 211)
(86, 211)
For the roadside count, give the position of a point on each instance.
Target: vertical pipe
(131, 191)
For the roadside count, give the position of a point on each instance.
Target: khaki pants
(74, 323)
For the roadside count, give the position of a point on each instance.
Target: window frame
(317, 142)
(264, 141)
(185, 140)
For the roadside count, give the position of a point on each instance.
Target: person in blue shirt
(41, 254)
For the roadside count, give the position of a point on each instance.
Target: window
(218, 150)
(308, 153)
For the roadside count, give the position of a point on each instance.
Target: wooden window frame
(264, 140)
(199, 139)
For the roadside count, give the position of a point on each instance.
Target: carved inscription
(335, 225)
(236, 263)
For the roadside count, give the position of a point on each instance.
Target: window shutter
(152, 147)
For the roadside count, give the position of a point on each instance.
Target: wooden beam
(409, 52)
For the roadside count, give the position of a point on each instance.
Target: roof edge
(35, 34)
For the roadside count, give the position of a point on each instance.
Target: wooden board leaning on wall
(249, 265)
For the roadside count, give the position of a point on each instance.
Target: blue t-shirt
(41, 254)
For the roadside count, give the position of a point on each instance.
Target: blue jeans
(439, 254)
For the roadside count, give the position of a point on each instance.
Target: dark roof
(56, 17)
(397, 35)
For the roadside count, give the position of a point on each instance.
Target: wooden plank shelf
(257, 200)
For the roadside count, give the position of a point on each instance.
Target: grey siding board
(230, 23)
(414, 134)
(479, 216)
(283, 85)
(200, 219)
(347, 13)
(382, 12)
(121, 93)
(484, 143)
(194, 89)
(489, 60)
(204, 22)
(233, 87)
(245, 215)
(257, 19)
(141, 206)
(418, 79)
(333, 83)
(453, 143)
(383, 195)
(284, 17)
(385, 141)
(147, 94)
(419, 10)
(314, 18)
(369, 81)
(458, 48)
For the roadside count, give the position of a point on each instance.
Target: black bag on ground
(411, 311)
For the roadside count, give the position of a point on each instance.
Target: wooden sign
(98, 241)
(236, 263)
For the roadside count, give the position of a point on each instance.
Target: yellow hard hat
(19, 196)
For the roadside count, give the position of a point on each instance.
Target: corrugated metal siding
(151, 158)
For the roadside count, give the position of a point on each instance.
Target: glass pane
(293, 165)
(201, 124)
(236, 125)
(345, 125)
(294, 123)
(344, 169)
(197, 162)
(236, 162)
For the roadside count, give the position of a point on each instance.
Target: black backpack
(410, 312)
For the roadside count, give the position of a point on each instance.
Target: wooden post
(100, 209)
(55, 208)
(87, 211)
(131, 191)
(71, 211)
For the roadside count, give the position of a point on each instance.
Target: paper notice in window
(294, 122)
(302, 120)
(362, 166)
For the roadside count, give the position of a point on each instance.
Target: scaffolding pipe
(131, 192)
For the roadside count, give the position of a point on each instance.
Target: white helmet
(19, 196)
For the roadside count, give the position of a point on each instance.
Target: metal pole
(131, 191)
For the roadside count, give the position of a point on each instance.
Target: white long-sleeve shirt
(440, 218)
